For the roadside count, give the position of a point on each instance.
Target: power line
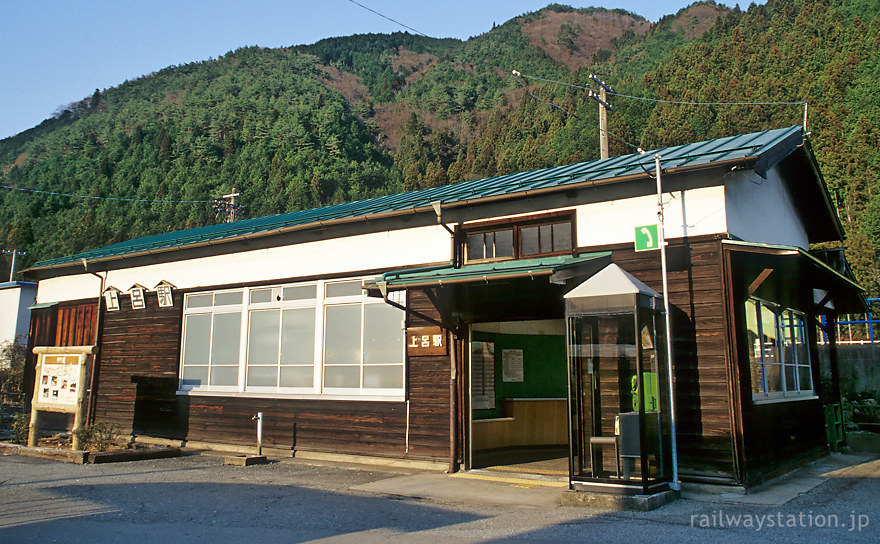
(515, 73)
(53, 193)
(389, 18)
(519, 74)
(685, 103)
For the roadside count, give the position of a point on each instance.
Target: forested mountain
(354, 117)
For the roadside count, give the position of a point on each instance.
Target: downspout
(99, 324)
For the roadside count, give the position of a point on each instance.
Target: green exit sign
(647, 238)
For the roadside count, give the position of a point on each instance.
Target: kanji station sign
(425, 341)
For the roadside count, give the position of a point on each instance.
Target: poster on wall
(512, 365)
(58, 385)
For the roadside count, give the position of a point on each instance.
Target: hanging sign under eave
(111, 299)
(164, 294)
(138, 299)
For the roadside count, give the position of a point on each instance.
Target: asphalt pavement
(196, 498)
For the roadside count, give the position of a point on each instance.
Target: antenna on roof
(225, 205)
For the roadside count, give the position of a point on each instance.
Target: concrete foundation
(245, 460)
(609, 501)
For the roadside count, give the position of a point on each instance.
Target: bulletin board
(62, 375)
(59, 382)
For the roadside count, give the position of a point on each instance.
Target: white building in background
(16, 298)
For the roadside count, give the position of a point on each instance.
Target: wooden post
(34, 424)
(78, 415)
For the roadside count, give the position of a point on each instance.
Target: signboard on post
(647, 238)
(61, 380)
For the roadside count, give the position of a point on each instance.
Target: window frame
(276, 302)
(761, 357)
(517, 224)
(213, 310)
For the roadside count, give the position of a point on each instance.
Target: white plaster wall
(15, 300)
(363, 252)
(762, 210)
(693, 212)
(747, 206)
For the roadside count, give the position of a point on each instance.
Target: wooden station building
(504, 314)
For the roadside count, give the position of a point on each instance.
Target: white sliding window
(317, 338)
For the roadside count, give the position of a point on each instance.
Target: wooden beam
(762, 277)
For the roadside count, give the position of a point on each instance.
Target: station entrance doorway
(519, 397)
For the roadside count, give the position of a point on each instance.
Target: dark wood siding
(137, 368)
(77, 324)
(701, 352)
(66, 324)
(41, 333)
(138, 382)
(429, 388)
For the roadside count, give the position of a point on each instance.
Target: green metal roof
(556, 267)
(766, 148)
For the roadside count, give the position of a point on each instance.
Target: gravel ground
(196, 498)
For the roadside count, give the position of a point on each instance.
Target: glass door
(617, 407)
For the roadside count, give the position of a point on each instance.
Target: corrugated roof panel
(694, 154)
(400, 278)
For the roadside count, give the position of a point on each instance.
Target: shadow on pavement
(216, 513)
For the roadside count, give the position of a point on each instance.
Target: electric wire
(147, 200)
(515, 73)
(535, 78)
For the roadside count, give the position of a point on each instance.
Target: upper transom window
(550, 235)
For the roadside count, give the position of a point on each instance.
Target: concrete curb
(68, 456)
(119, 456)
(80, 457)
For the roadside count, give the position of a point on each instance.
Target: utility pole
(226, 205)
(14, 253)
(604, 107)
(230, 217)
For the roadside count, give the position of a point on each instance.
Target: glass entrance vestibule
(618, 385)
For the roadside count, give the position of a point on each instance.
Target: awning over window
(785, 274)
(557, 270)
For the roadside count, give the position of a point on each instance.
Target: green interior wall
(544, 368)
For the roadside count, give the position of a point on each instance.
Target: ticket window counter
(619, 417)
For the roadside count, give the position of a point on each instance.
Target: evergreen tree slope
(358, 116)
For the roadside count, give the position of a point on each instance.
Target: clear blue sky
(54, 52)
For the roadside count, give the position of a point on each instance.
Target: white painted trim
(294, 396)
(776, 400)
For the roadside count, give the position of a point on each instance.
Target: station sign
(425, 341)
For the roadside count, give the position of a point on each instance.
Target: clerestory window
(519, 240)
